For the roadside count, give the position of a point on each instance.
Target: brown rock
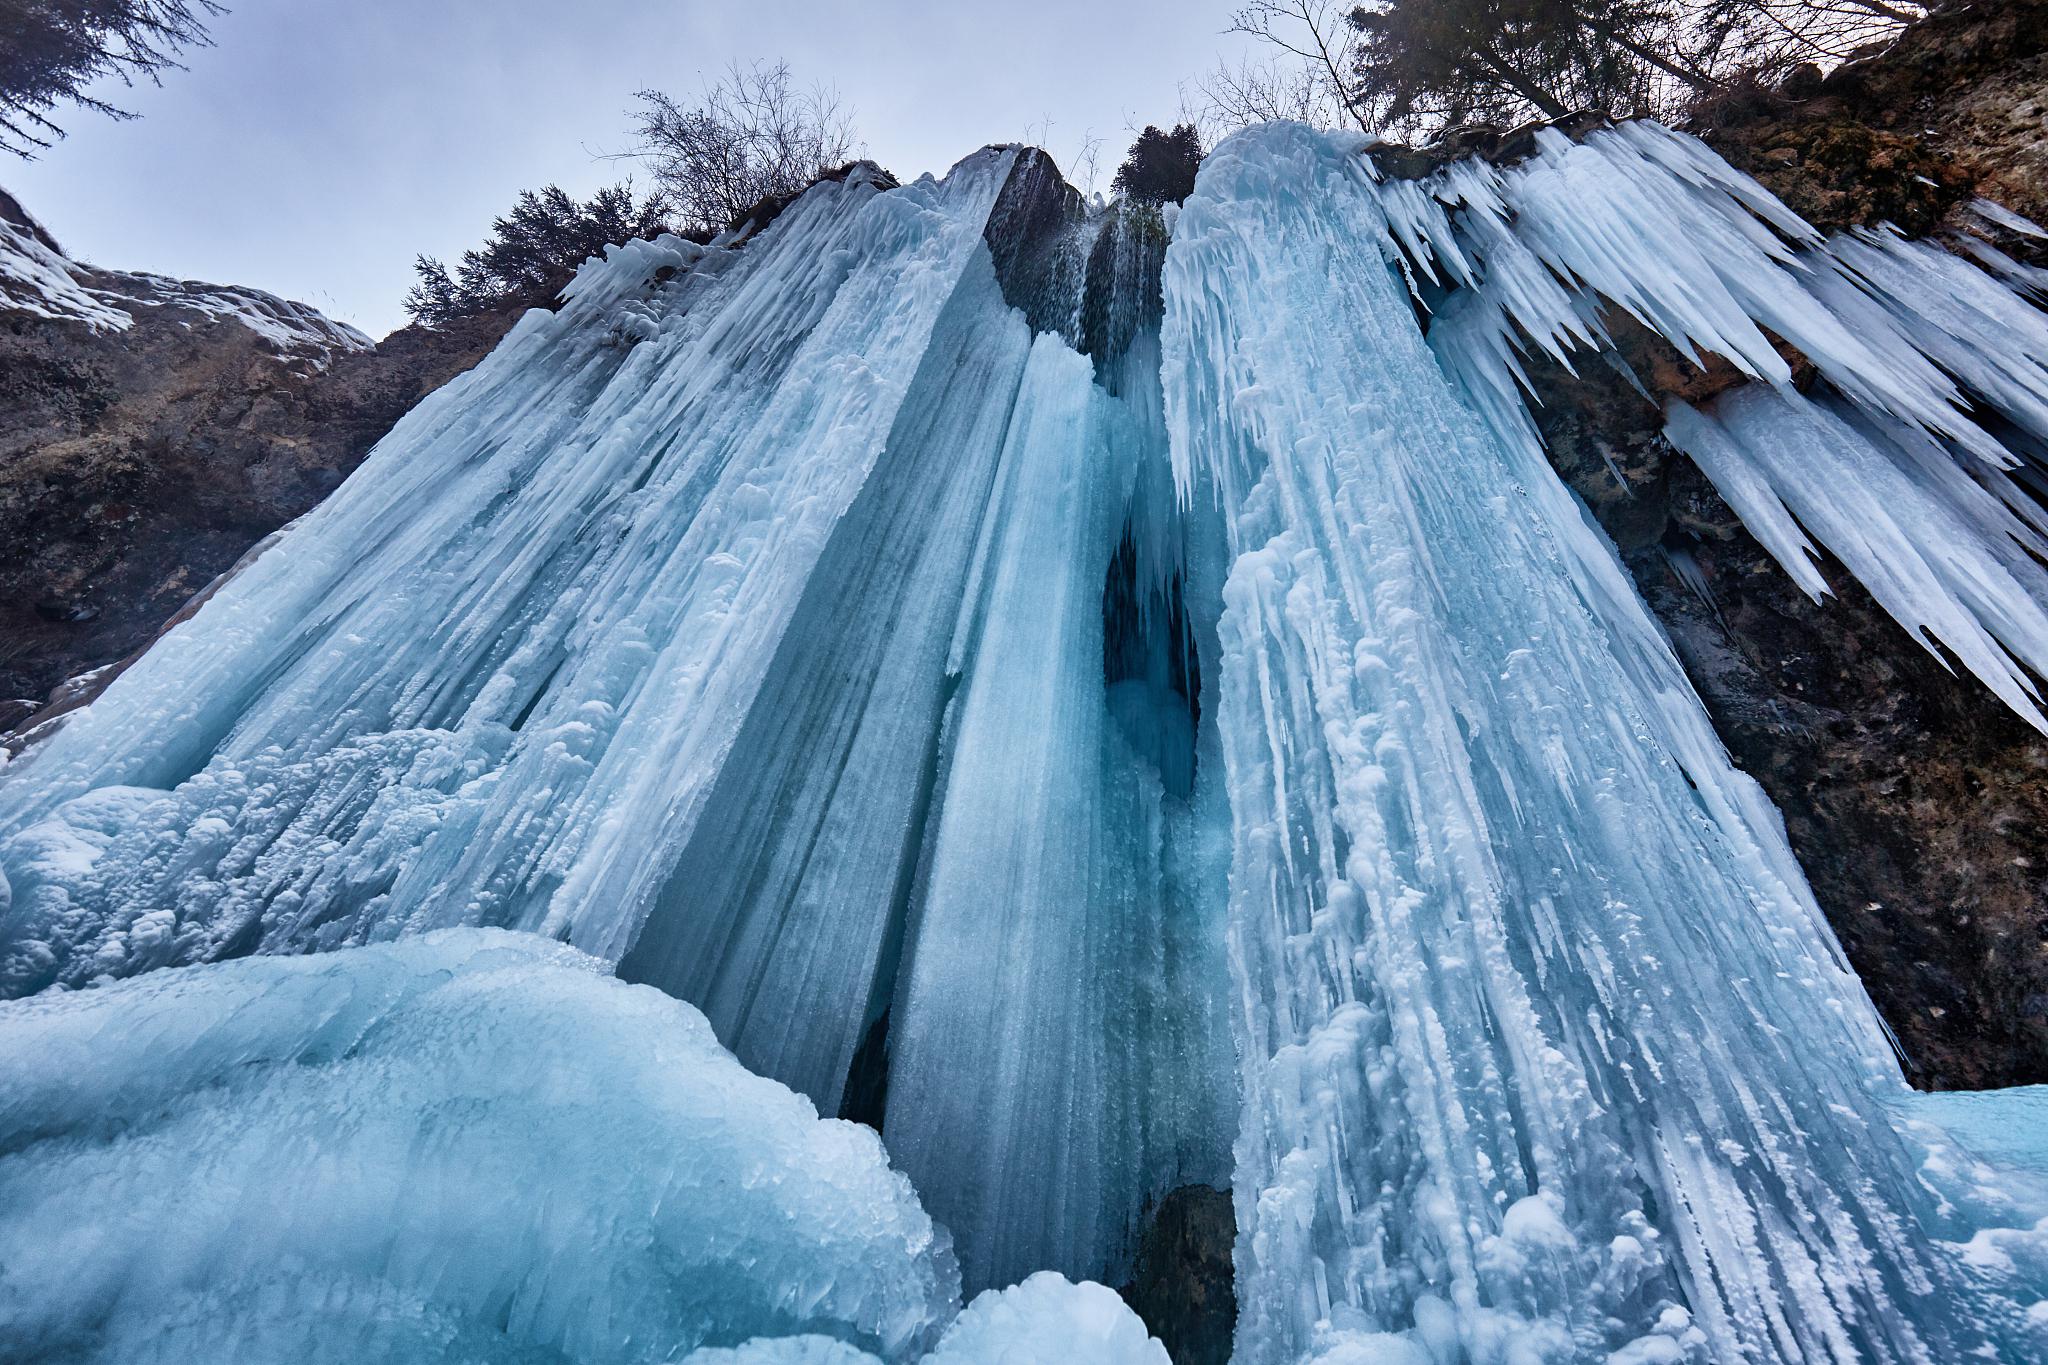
(137, 466)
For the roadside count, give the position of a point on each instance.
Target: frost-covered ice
(743, 624)
(1944, 361)
(1046, 1320)
(1073, 737)
(1547, 1052)
(473, 1146)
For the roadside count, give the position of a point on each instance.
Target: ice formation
(1045, 1320)
(743, 623)
(1114, 714)
(1941, 368)
(1522, 1078)
(471, 1146)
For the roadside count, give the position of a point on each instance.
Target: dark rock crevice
(1184, 1285)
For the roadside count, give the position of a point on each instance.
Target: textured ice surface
(1938, 551)
(472, 1146)
(1036, 1063)
(803, 1350)
(491, 678)
(2000, 1125)
(1946, 361)
(1047, 1320)
(819, 638)
(743, 623)
(1547, 1052)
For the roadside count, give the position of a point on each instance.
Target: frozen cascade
(1081, 851)
(1547, 1052)
(711, 625)
(992, 687)
(479, 687)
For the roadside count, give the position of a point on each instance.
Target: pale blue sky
(321, 143)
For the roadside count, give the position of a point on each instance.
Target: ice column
(1546, 1050)
(493, 679)
(1036, 1051)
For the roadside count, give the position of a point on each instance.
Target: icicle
(1944, 557)
(1547, 1053)
(1927, 348)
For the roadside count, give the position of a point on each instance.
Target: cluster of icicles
(1230, 756)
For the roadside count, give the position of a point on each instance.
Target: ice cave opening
(1152, 668)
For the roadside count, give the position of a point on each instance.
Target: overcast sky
(320, 144)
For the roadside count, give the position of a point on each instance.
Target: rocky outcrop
(1953, 108)
(141, 459)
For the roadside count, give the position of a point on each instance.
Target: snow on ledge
(36, 279)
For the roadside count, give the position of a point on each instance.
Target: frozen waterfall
(1097, 696)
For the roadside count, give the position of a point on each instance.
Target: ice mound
(803, 1350)
(1046, 1320)
(471, 1146)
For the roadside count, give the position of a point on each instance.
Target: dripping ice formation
(1112, 713)
(1516, 1073)
(709, 627)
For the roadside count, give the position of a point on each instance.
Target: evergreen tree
(532, 252)
(1424, 62)
(50, 50)
(1161, 166)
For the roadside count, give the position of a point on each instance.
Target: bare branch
(750, 135)
(1310, 81)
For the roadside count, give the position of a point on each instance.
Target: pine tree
(532, 251)
(1424, 62)
(1161, 166)
(51, 50)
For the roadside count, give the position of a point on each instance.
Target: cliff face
(152, 431)
(1916, 802)
(1957, 107)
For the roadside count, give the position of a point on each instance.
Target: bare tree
(1262, 92)
(50, 50)
(751, 134)
(1084, 171)
(1310, 79)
